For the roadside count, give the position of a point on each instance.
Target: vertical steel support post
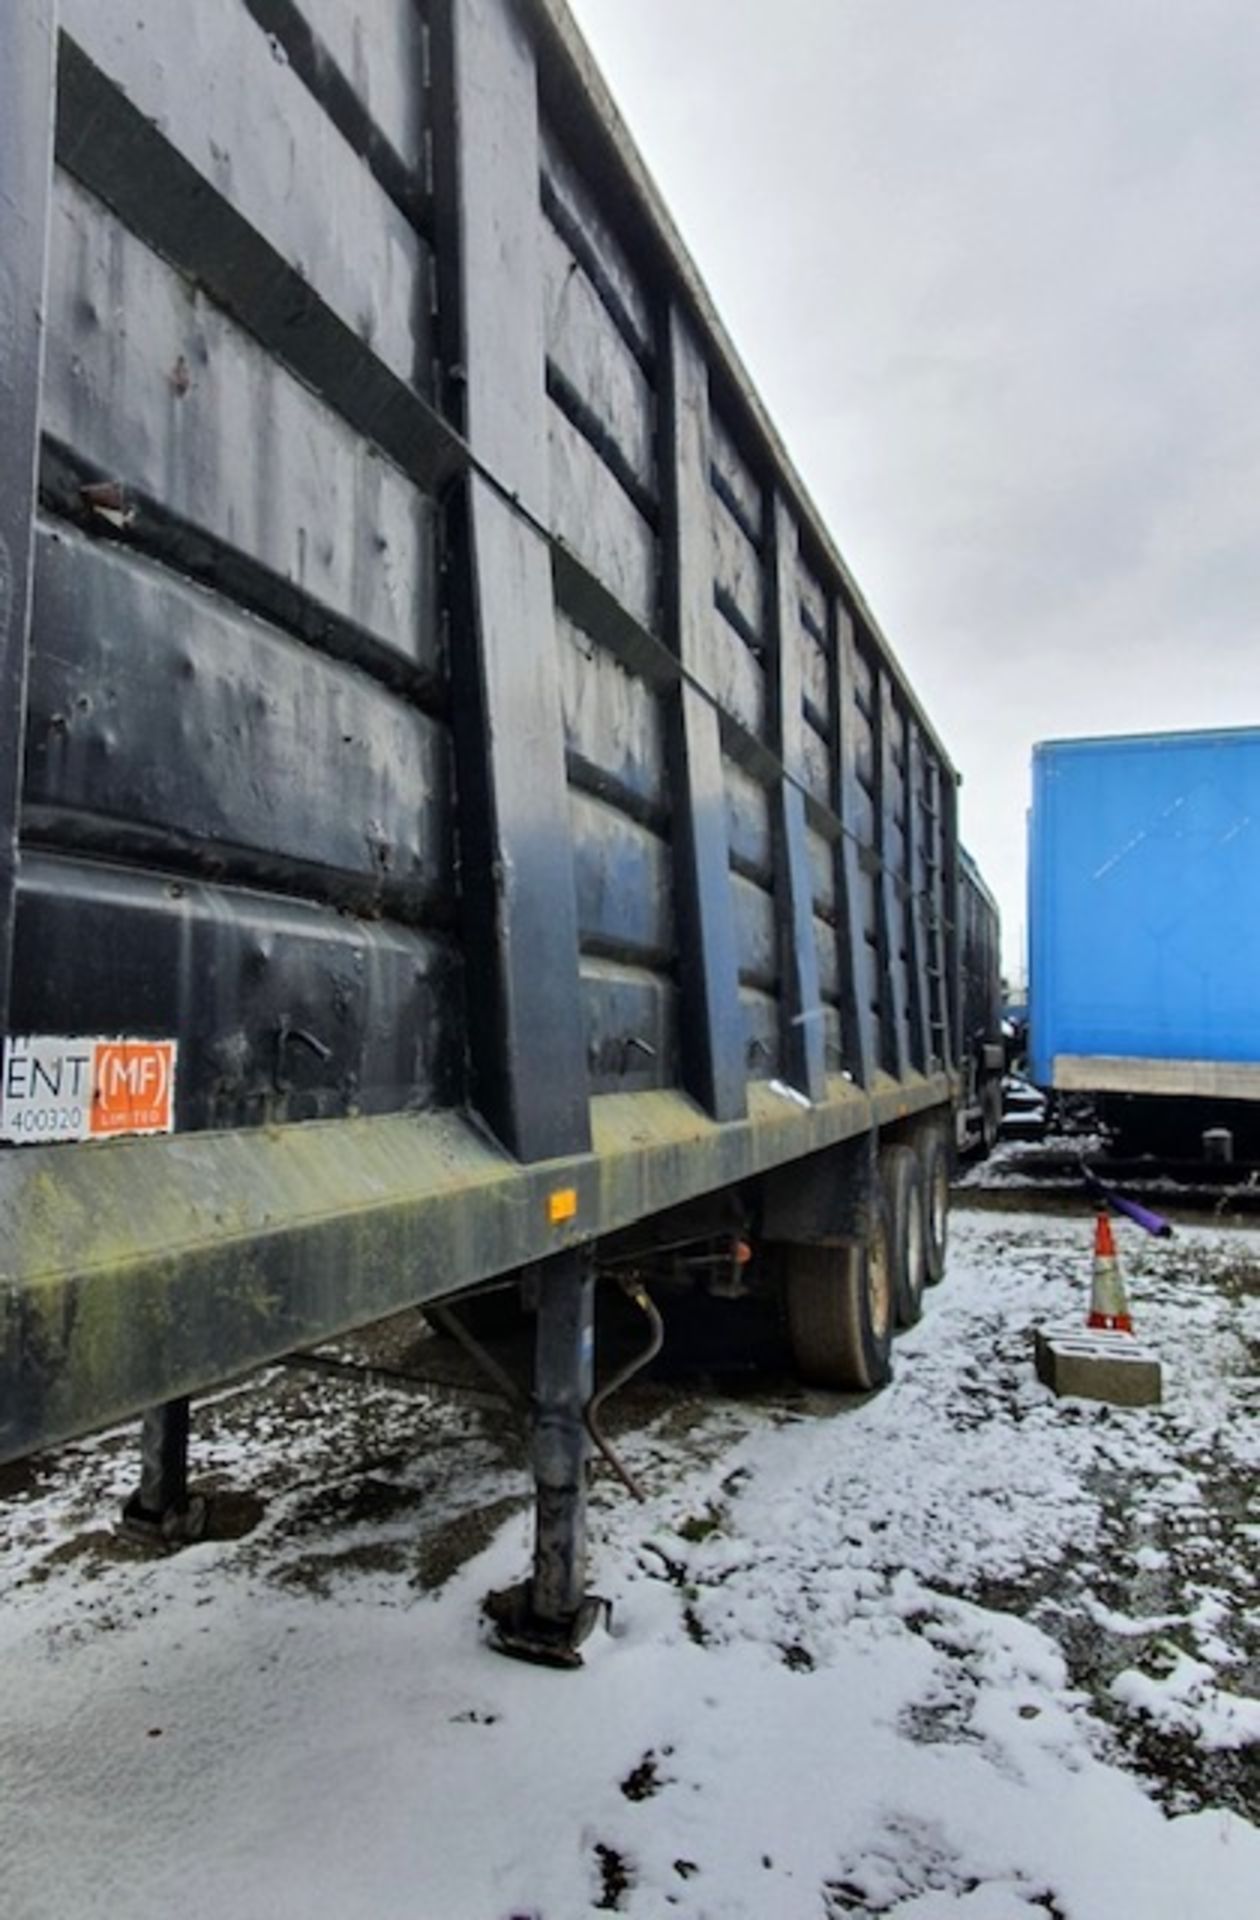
(546, 1618)
(857, 980)
(916, 878)
(563, 1383)
(161, 1509)
(525, 1020)
(711, 1023)
(939, 928)
(952, 944)
(804, 1064)
(27, 113)
(516, 866)
(164, 1457)
(891, 916)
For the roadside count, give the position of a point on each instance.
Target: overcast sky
(995, 267)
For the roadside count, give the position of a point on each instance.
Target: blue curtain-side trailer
(1144, 917)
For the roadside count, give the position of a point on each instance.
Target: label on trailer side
(56, 1088)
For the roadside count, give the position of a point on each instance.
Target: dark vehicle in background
(1025, 1108)
(983, 1058)
(461, 818)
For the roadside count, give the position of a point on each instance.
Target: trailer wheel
(934, 1172)
(903, 1188)
(840, 1309)
(990, 1116)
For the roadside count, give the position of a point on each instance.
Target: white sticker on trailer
(58, 1088)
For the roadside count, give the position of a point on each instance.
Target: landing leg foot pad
(179, 1526)
(523, 1634)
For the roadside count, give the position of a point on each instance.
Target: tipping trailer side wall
(1144, 914)
(445, 717)
(980, 960)
(982, 1052)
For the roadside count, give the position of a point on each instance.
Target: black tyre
(903, 1190)
(840, 1309)
(934, 1176)
(990, 1116)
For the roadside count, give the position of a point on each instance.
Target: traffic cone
(1108, 1302)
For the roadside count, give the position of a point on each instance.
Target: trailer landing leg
(547, 1617)
(161, 1512)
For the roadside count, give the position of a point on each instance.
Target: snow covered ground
(961, 1650)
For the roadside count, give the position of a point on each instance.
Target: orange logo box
(133, 1086)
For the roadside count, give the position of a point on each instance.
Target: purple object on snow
(1153, 1223)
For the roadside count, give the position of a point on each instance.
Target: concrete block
(1093, 1365)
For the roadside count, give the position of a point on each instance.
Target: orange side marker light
(562, 1205)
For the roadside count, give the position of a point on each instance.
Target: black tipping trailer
(459, 816)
